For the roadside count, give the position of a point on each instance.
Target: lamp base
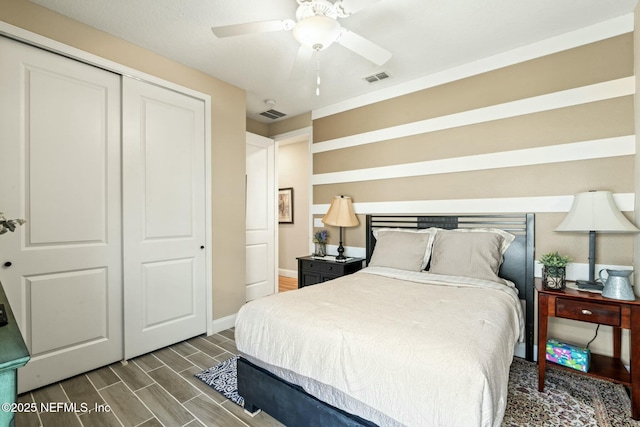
(589, 286)
(341, 256)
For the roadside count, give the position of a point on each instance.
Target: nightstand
(312, 270)
(594, 308)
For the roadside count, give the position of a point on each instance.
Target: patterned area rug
(224, 379)
(568, 399)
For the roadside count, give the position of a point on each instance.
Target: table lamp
(341, 214)
(595, 211)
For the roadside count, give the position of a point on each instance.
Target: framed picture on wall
(285, 205)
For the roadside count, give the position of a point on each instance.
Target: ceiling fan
(316, 28)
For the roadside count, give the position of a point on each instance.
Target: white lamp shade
(341, 213)
(596, 211)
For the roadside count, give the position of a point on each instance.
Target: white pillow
(404, 249)
(470, 252)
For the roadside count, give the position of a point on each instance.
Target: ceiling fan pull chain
(318, 73)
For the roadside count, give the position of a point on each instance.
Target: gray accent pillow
(474, 253)
(402, 249)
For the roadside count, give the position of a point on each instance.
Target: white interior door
(60, 170)
(261, 220)
(164, 217)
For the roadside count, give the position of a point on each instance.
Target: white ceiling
(425, 37)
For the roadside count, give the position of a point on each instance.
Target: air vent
(272, 114)
(374, 78)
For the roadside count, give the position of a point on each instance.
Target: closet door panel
(164, 217)
(76, 124)
(86, 291)
(169, 171)
(60, 170)
(165, 280)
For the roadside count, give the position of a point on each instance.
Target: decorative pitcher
(617, 284)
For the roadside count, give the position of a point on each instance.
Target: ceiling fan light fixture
(317, 32)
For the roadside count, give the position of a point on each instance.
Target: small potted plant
(554, 268)
(320, 239)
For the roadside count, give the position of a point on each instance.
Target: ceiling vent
(272, 114)
(374, 78)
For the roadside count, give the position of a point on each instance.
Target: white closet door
(60, 170)
(164, 217)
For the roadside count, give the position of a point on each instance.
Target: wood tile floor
(157, 389)
(287, 283)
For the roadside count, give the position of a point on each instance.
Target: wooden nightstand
(594, 308)
(312, 270)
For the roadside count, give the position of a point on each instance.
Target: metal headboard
(518, 262)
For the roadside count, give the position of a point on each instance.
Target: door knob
(7, 264)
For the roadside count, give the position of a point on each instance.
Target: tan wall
(257, 127)
(591, 121)
(293, 171)
(458, 157)
(228, 124)
(291, 124)
(280, 126)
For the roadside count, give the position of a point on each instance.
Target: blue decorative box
(568, 355)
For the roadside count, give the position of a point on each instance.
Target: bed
(418, 337)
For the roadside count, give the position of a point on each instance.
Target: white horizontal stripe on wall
(601, 31)
(540, 204)
(566, 98)
(595, 149)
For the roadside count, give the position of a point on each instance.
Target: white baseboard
(288, 273)
(218, 325)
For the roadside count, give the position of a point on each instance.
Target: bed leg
(251, 409)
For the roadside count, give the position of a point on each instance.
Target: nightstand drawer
(604, 314)
(310, 265)
(331, 268)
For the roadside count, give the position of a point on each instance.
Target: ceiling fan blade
(349, 7)
(363, 47)
(301, 63)
(253, 28)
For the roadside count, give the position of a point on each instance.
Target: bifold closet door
(60, 170)
(164, 217)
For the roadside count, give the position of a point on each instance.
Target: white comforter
(394, 347)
